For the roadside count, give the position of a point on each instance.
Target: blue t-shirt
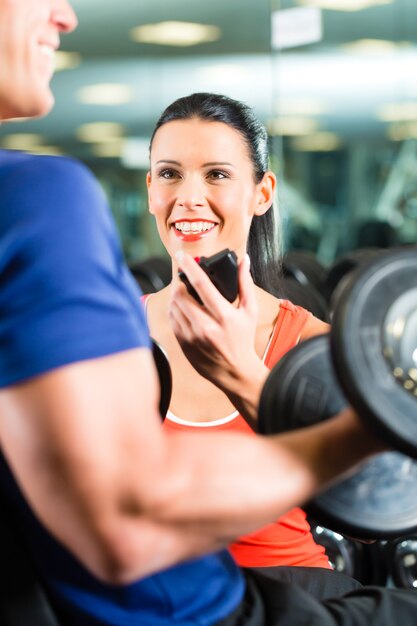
(65, 296)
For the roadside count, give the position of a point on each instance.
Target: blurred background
(334, 81)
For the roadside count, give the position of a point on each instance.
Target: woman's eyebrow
(214, 163)
(168, 161)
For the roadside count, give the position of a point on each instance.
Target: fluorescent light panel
(112, 150)
(344, 5)
(318, 142)
(105, 94)
(46, 150)
(21, 141)
(292, 126)
(66, 60)
(398, 111)
(296, 27)
(173, 33)
(135, 153)
(402, 131)
(301, 106)
(99, 132)
(374, 46)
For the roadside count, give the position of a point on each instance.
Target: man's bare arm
(87, 448)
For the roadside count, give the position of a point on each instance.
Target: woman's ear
(148, 185)
(266, 190)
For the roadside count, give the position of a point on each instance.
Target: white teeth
(194, 227)
(47, 50)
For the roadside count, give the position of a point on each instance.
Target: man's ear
(266, 191)
(148, 185)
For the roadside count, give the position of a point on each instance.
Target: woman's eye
(217, 175)
(167, 173)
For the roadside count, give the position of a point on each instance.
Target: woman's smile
(193, 230)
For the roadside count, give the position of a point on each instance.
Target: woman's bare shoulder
(268, 306)
(313, 327)
(157, 310)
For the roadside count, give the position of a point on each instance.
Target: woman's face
(29, 36)
(201, 187)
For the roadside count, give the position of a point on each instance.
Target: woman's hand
(218, 338)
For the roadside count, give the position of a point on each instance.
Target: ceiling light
(402, 131)
(319, 142)
(175, 33)
(99, 132)
(301, 106)
(46, 150)
(21, 141)
(112, 150)
(398, 111)
(224, 72)
(344, 5)
(105, 94)
(295, 27)
(374, 46)
(136, 153)
(66, 60)
(292, 126)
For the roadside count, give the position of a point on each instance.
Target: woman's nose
(191, 194)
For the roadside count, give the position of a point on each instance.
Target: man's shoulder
(21, 166)
(37, 187)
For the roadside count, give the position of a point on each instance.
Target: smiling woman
(199, 198)
(27, 53)
(210, 188)
(226, 157)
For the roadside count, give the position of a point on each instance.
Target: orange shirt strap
(287, 331)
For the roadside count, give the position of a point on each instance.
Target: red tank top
(288, 541)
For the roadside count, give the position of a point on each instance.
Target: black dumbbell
(152, 274)
(304, 267)
(340, 270)
(370, 358)
(306, 296)
(165, 377)
(403, 562)
(343, 553)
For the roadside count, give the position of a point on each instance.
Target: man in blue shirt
(116, 513)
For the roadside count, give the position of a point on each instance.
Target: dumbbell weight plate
(374, 346)
(301, 389)
(165, 378)
(378, 499)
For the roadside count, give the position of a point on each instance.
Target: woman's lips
(193, 230)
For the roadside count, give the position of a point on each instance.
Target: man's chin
(13, 111)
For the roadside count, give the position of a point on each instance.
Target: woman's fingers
(186, 315)
(212, 300)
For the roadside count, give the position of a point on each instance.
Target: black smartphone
(221, 268)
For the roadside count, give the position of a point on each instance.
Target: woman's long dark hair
(263, 243)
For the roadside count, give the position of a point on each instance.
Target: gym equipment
(152, 274)
(341, 552)
(304, 267)
(403, 562)
(371, 354)
(374, 346)
(306, 296)
(164, 375)
(341, 268)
